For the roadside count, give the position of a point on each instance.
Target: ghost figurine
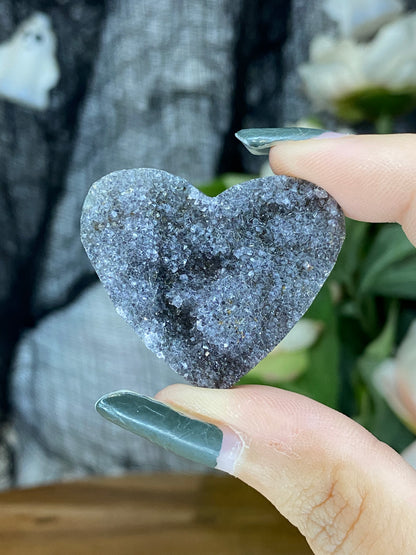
(28, 67)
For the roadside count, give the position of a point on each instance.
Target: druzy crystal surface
(210, 284)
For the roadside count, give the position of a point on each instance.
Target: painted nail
(259, 141)
(199, 441)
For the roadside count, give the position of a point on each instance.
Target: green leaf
(375, 414)
(351, 253)
(213, 188)
(320, 381)
(398, 281)
(389, 248)
(382, 347)
(372, 103)
(222, 183)
(231, 179)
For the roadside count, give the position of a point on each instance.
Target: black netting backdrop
(143, 84)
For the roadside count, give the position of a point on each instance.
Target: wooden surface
(145, 514)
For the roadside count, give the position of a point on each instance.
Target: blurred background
(89, 87)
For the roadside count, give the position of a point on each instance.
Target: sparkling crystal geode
(210, 284)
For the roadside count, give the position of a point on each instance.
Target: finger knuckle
(333, 514)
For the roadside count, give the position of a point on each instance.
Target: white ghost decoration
(28, 67)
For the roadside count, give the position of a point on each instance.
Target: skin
(346, 491)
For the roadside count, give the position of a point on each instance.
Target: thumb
(345, 491)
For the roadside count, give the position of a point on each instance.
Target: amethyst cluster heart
(212, 285)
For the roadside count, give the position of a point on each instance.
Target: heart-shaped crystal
(210, 284)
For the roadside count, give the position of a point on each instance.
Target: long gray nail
(259, 140)
(193, 439)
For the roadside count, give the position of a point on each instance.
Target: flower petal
(362, 18)
(406, 372)
(336, 69)
(391, 56)
(384, 380)
(302, 336)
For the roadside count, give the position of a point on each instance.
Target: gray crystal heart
(210, 284)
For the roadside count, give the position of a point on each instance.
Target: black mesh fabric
(142, 84)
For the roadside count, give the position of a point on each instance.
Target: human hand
(346, 491)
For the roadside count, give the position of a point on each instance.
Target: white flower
(341, 67)
(390, 59)
(395, 379)
(28, 68)
(362, 18)
(303, 335)
(335, 69)
(280, 368)
(291, 357)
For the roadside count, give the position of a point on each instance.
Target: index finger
(373, 177)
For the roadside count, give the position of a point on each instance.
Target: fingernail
(259, 141)
(196, 440)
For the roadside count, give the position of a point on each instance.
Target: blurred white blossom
(335, 69)
(390, 59)
(28, 68)
(362, 18)
(303, 335)
(291, 358)
(385, 66)
(395, 379)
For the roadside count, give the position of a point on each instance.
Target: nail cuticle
(233, 445)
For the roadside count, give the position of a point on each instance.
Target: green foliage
(371, 103)
(321, 379)
(374, 413)
(390, 267)
(352, 253)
